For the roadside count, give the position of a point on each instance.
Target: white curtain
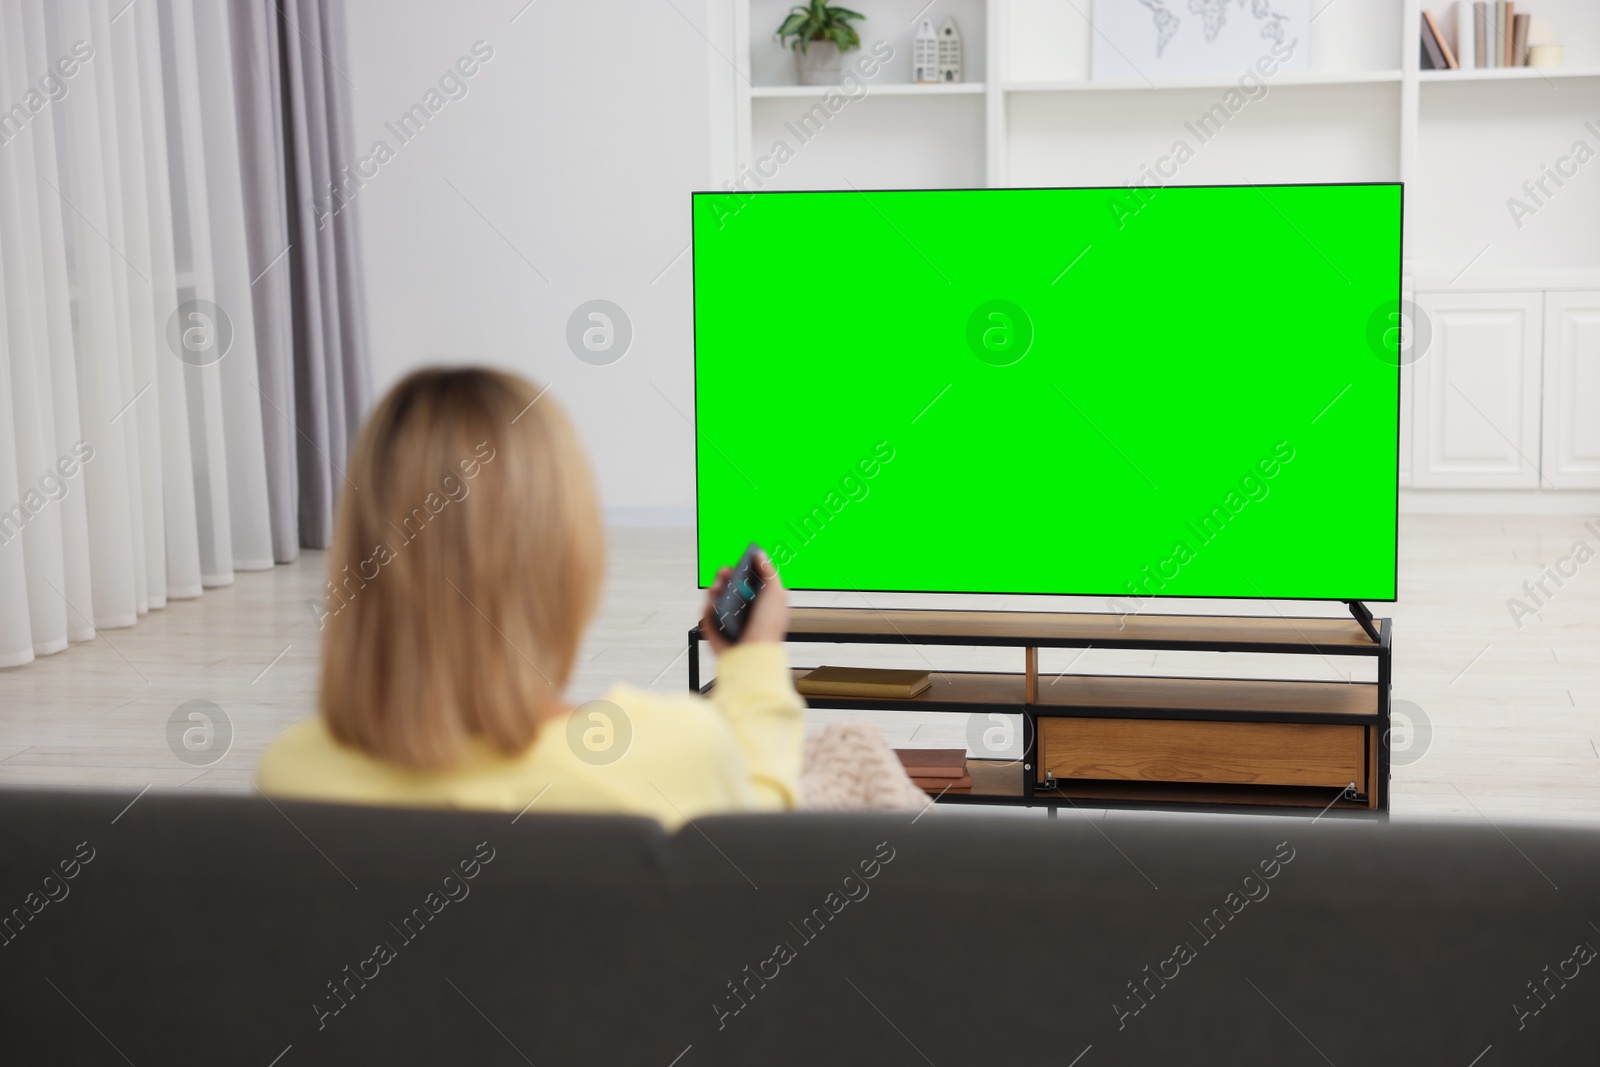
(128, 474)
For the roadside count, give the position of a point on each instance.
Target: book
(1497, 47)
(944, 764)
(1505, 33)
(1439, 39)
(939, 785)
(1466, 48)
(1432, 54)
(1519, 41)
(1480, 33)
(863, 682)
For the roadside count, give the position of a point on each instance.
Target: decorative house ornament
(949, 52)
(925, 53)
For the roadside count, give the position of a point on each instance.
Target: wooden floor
(1514, 712)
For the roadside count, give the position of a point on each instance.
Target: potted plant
(821, 35)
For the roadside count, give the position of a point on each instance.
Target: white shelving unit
(1463, 141)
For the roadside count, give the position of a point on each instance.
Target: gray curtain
(332, 371)
(309, 297)
(258, 99)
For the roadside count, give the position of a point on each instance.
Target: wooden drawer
(1238, 753)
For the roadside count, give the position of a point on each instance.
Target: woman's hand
(769, 615)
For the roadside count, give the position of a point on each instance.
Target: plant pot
(819, 63)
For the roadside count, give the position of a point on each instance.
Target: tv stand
(1142, 741)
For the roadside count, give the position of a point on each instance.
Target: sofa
(237, 930)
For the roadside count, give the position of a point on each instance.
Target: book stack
(936, 769)
(1488, 34)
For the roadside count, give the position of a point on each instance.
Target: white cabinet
(1477, 403)
(1572, 390)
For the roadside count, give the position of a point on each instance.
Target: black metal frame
(1381, 649)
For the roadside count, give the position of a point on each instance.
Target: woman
(464, 569)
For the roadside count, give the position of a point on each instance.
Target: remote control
(731, 609)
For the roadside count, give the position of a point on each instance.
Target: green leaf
(816, 21)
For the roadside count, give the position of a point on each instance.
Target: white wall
(580, 141)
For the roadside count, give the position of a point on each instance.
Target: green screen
(1190, 391)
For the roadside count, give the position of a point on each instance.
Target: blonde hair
(465, 566)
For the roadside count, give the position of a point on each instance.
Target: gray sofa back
(200, 929)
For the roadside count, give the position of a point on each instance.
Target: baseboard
(1499, 502)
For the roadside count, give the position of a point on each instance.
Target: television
(1185, 391)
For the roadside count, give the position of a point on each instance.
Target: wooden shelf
(1506, 74)
(1133, 697)
(1215, 81)
(1196, 796)
(1233, 633)
(758, 92)
(1000, 782)
(1233, 697)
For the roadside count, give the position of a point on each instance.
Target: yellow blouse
(671, 757)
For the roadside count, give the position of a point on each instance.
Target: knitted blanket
(848, 766)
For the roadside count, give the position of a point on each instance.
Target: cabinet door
(1477, 401)
(1572, 390)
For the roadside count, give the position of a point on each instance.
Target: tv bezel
(1399, 407)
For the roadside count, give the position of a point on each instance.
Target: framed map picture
(1140, 40)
